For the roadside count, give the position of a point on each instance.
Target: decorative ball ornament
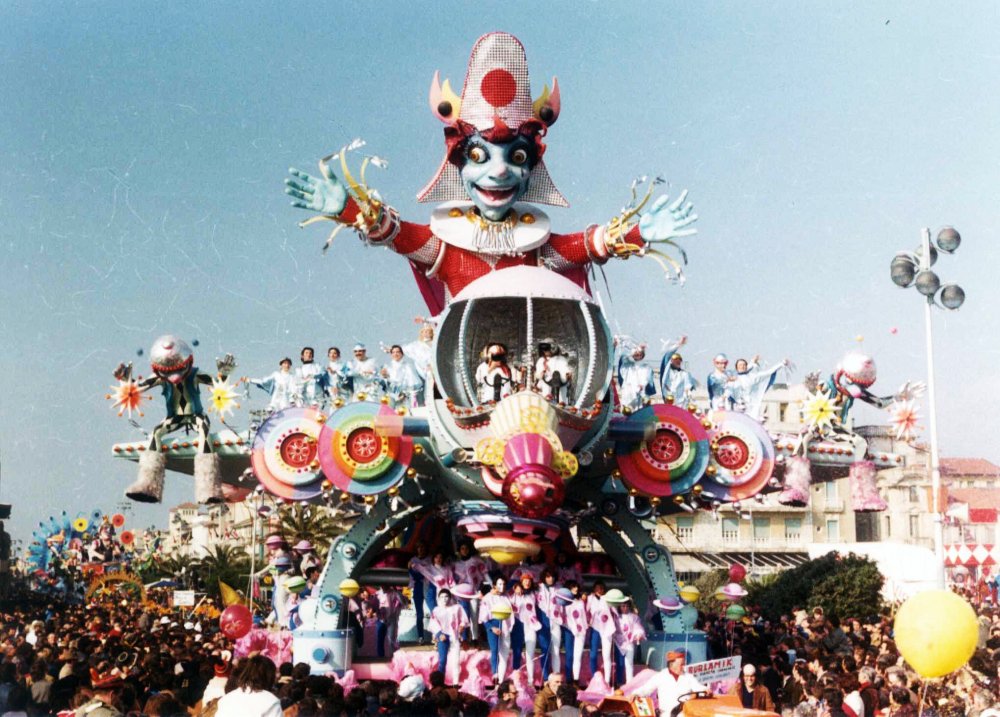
(673, 460)
(117, 520)
(283, 454)
(349, 587)
(235, 621)
(80, 525)
(690, 594)
(936, 631)
(919, 253)
(735, 612)
(736, 573)
(742, 457)
(358, 459)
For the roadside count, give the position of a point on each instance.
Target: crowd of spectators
(121, 657)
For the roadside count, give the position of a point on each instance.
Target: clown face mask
(496, 175)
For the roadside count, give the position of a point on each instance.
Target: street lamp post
(914, 268)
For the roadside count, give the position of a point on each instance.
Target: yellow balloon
(349, 588)
(936, 631)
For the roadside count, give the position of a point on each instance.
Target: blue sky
(143, 147)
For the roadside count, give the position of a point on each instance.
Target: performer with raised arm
(751, 383)
(676, 382)
(635, 378)
(492, 168)
(281, 386)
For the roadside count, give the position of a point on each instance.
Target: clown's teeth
(496, 195)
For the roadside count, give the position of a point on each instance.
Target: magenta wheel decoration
(284, 453)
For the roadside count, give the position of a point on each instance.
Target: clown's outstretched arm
(632, 233)
(377, 223)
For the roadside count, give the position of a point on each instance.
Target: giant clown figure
(492, 170)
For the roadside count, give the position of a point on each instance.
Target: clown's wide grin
(496, 196)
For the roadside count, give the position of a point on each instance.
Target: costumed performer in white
(497, 618)
(448, 620)
(751, 383)
(629, 633)
(676, 382)
(719, 384)
(495, 378)
(635, 378)
(601, 619)
(575, 628)
(524, 600)
(471, 570)
(553, 373)
(421, 351)
(281, 386)
(364, 374)
(338, 375)
(307, 377)
(671, 684)
(552, 616)
(404, 386)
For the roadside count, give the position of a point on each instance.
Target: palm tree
(173, 565)
(225, 563)
(314, 523)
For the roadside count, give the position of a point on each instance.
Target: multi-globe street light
(914, 269)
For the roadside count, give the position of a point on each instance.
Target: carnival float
(525, 438)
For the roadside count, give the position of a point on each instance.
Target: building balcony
(834, 506)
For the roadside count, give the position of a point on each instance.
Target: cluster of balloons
(733, 592)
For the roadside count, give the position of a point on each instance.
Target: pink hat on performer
(303, 546)
(496, 101)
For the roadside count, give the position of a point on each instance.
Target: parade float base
(423, 659)
(721, 706)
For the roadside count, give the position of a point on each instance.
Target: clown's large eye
(519, 156)
(478, 154)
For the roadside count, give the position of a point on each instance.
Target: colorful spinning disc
(355, 457)
(284, 455)
(673, 460)
(742, 455)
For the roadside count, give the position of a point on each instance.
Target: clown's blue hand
(663, 222)
(325, 195)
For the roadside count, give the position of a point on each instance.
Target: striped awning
(971, 555)
(703, 562)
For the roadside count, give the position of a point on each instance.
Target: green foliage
(846, 586)
(224, 562)
(708, 583)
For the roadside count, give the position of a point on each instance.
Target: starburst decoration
(127, 397)
(223, 397)
(904, 417)
(819, 411)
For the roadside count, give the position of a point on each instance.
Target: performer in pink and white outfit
(552, 615)
(472, 570)
(629, 632)
(601, 619)
(575, 628)
(498, 629)
(447, 622)
(390, 605)
(436, 573)
(525, 603)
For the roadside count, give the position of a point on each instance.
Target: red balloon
(235, 621)
(737, 572)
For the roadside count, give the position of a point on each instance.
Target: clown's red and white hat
(496, 94)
